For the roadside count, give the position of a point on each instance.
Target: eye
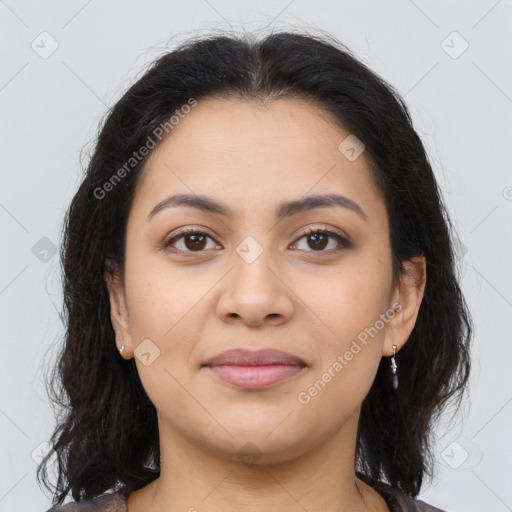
(319, 240)
(193, 241)
(196, 241)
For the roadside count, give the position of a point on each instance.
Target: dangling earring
(122, 346)
(393, 368)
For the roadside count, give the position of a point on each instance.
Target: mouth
(248, 369)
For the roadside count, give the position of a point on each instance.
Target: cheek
(349, 352)
(350, 300)
(158, 294)
(164, 309)
(353, 314)
(161, 312)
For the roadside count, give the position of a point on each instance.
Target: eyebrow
(285, 209)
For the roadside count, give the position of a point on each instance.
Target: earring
(393, 368)
(121, 349)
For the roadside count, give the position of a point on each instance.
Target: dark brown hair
(107, 435)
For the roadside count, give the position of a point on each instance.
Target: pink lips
(254, 369)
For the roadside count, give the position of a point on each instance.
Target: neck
(194, 478)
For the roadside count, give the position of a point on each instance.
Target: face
(250, 278)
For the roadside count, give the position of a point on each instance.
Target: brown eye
(318, 240)
(193, 241)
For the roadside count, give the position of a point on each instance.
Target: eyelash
(191, 231)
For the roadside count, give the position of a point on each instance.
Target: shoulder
(110, 502)
(399, 501)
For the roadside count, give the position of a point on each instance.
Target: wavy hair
(107, 435)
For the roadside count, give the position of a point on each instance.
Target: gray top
(396, 500)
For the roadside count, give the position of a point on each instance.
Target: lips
(247, 369)
(243, 357)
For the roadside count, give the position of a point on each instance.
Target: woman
(262, 308)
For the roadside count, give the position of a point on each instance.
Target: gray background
(460, 99)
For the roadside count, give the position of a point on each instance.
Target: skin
(294, 297)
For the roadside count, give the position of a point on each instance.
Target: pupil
(195, 243)
(321, 236)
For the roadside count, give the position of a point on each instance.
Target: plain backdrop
(64, 63)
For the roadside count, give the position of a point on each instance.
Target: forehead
(255, 154)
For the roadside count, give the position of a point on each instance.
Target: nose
(255, 294)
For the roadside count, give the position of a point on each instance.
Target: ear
(119, 315)
(406, 301)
